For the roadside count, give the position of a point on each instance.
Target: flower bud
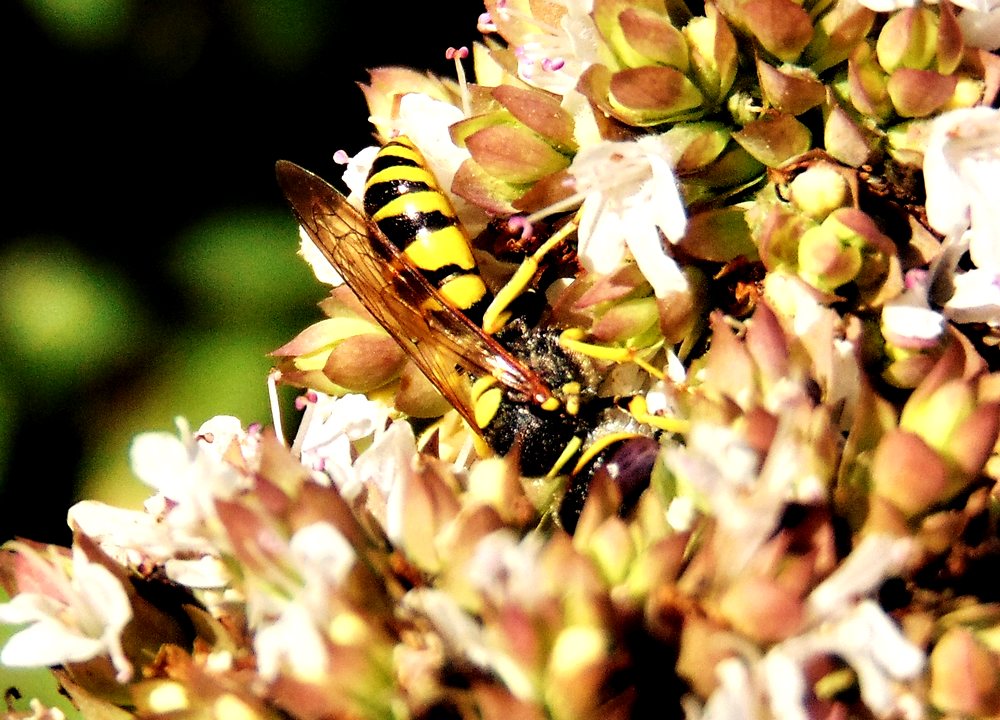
(908, 39)
(965, 676)
(825, 262)
(641, 36)
(819, 190)
(713, 53)
(643, 96)
(868, 84)
(908, 473)
(790, 88)
(578, 668)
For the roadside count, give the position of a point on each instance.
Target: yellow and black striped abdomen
(404, 200)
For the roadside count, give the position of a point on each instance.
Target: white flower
(323, 557)
(464, 636)
(204, 573)
(857, 631)
(317, 262)
(980, 23)
(874, 559)
(189, 475)
(961, 174)
(355, 173)
(129, 536)
(982, 6)
(736, 697)
(842, 622)
(630, 195)
(867, 640)
(507, 570)
(325, 444)
(978, 6)
(554, 58)
(80, 617)
(821, 331)
(292, 643)
(716, 471)
(219, 433)
(908, 320)
(356, 169)
(330, 424)
(384, 469)
(976, 297)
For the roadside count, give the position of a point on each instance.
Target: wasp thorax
(540, 436)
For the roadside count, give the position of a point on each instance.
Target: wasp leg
(497, 314)
(637, 409)
(572, 339)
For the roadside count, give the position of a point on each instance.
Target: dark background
(147, 260)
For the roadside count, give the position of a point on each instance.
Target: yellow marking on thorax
(431, 304)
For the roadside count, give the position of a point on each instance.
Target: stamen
(341, 157)
(914, 278)
(520, 224)
(553, 64)
(459, 54)
(272, 395)
(485, 24)
(557, 207)
(306, 399)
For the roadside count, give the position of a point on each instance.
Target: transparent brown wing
(445, 345)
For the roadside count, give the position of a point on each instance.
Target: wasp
(409, 261)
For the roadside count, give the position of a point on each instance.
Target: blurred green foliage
(147, 261)
(63, 315)
(84, 23)
(245, 292)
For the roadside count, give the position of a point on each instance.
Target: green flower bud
(648, 38)
(774, 139)
(643, 96)
(819, 190)
(714, 55)
(867, 83)
(825, 262)
(918, 93)
(908, 39)
(789, 88)
(965, 676)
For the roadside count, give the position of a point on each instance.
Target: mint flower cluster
(767, 226)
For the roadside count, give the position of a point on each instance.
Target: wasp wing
(442, 341)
